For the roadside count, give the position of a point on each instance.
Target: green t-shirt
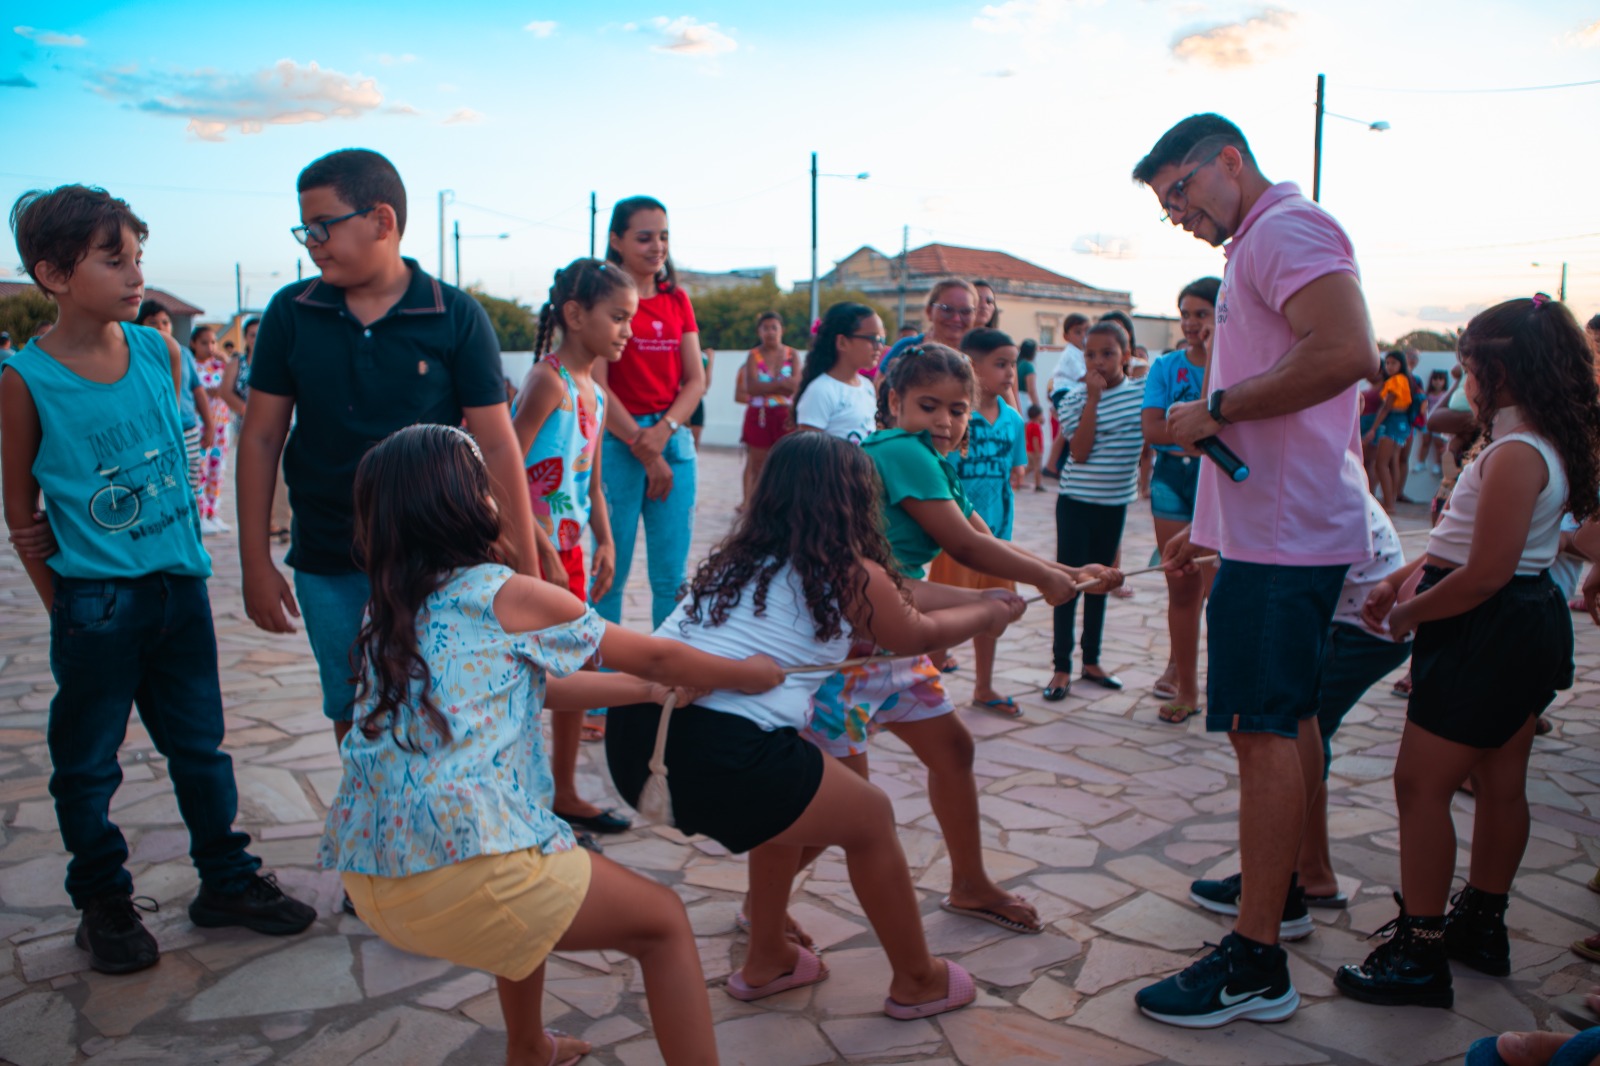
(910, 468)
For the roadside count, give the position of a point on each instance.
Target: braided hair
(586, 281)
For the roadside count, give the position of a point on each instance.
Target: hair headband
(473, 444)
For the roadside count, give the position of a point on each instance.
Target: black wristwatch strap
(1214, 408)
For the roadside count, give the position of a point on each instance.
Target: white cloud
(464, 116)
(1022, 16)
(449, 87)
(1449, 315)
(1586, 36)
(1004, 72)
(1106, 246)
(401, 109)
(1236, 44)
(540, 29)
(394, 61)
(285, 93)
(50, 38)
(685, 36)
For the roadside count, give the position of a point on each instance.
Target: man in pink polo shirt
(1292, 343)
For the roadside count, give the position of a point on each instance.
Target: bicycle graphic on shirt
(117, 505)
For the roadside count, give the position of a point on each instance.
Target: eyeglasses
(1177, 196)
(877, 341)
(318, 231)
(955, 312)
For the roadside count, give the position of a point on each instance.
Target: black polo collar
(423, 296)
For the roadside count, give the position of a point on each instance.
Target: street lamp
(1316, 173)
(459, 237)
(240, 293)
(1561, 293)
(815, 295)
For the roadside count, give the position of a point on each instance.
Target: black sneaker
(114, 935)
(1410, 969)
(1223, 898)
(261, 907)
(1231, 983)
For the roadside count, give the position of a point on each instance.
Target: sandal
(594, 728)
(1176, 713)
(1590, 951)
(1402, 687)
(607, 821)
(950, 665)
(808, 970)
(570, 1060)
(959, 991)
(1005, 706)
(993, 917)
(1164, 690)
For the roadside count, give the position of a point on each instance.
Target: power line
(1452, 92)
(280, 194)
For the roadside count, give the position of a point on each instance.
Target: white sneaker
(221, 526)
(209, 527)
(1416, 468)
(1436, 468)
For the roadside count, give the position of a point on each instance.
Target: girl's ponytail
(586, 281)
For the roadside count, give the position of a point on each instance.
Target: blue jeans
(1353, 660)
(668, 523)
(1267, 627)
(143, 642)
(332, 606)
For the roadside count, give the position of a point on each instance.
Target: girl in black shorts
(1493, 644)
(805, 573)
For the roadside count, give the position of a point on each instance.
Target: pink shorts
(854, 704)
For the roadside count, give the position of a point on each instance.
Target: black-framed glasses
(877, 340)
(956, 312)
(1177, 193)
(318, 231)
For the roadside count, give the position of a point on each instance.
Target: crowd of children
(447, 546)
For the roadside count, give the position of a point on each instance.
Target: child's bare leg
(521, 1004)
(632, 914)
(850, 813)
(856, 764)
(566, 729)
(983, 689)
(946, 749)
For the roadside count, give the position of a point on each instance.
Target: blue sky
(1010, 125)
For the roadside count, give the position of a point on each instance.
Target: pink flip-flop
(959, 992)
(808, 970)
(570, 1060)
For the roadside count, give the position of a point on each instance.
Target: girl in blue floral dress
(442, 830)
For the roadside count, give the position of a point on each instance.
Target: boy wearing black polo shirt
(369, 347)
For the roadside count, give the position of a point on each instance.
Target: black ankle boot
(1475, 931)
(1409, 970)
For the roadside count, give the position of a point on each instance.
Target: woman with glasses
(952, 309)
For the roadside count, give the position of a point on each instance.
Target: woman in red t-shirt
(648, 455)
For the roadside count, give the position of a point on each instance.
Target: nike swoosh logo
(1228, 1001)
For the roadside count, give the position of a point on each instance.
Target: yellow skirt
(498, 913)
(946, 571)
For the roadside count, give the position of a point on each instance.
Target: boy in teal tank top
(89, 422)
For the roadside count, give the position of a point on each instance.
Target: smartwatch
(1214, 407)
(675, 425)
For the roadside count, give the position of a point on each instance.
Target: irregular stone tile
(1055, 851)
(1192, 854)
(1130, 832)
(386, 969)
(117, 1004)
(1151, 874)
(882, 1036)
(400, 1036)
(956, 934)
(612, 1030)
(1005, 1038)
(1075, 804)
(1009, 815)
(825, 927)
(1128, 760)
(649, 854)
(1150, 919)
(1382, 1034)
(182, 1050)
(38, 1030)
(1050, 999)
(1015, 962)
(771, 1040)
(1113, 1014)
(857, 983)
(35, 883)
(1111, 963)
(312, 974)
(595, 996)
(1089, 891)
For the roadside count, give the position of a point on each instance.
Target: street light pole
(445, 196)
(1316, 166)
(814, 294)
(594, 216)
(456, 231)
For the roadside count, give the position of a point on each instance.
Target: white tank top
(784, 631)
(1451, 539)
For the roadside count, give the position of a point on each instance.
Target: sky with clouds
(1009, 125)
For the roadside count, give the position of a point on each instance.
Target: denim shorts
(1396, 427)
(1353, 660)
(332, 606)
(1173, 482)
(1267, 626)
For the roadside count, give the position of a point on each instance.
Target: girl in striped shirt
(1100, 421)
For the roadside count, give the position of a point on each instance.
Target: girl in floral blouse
(442, 829)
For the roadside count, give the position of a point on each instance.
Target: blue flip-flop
(1004, 706)
(1579, 1051)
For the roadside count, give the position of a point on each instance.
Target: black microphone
(1224, 456)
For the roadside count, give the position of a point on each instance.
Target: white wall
(724, 418)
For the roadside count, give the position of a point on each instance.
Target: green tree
(727, 317)
(516, 325)
(1428, 340)
(21, 314)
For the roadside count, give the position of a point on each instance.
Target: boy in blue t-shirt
(89, 420)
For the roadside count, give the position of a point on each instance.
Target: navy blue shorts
(1266, 627)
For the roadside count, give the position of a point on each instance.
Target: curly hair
(816, 507)
(422, 511)
(1531, 353)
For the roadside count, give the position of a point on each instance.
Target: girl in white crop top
(1493, 643)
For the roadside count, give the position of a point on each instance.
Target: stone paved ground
(1097, 811)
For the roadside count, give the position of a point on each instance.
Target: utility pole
(814, 294)
(1563, 294)
(905, 243)
(1316, 164)
(457, 231)
(594, 214)
(238, 287)
(445, 196)
(299, 269)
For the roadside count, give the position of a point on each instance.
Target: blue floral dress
(412, 800)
